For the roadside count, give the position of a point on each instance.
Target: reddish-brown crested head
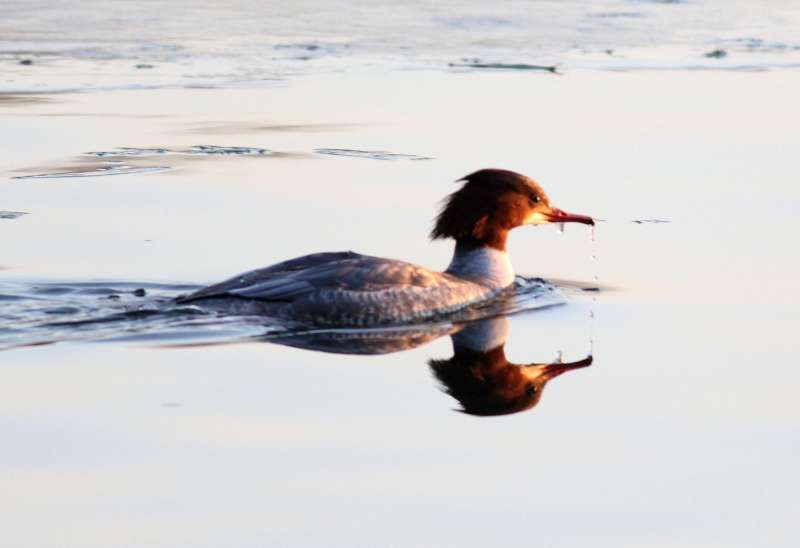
(490, 203)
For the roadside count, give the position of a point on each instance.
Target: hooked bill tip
(559, 216)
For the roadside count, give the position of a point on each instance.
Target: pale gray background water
(682, 434)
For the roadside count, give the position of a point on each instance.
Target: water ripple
(51, 312)
(12, 214)
(369, 154)
(116, 169)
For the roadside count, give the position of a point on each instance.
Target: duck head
(490, 203)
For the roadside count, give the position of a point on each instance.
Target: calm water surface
(683, 432)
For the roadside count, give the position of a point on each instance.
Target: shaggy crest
(489, 204)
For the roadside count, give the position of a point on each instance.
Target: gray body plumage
(346, 289)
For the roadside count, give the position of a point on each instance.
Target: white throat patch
(486, 265)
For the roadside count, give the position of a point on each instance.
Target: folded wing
(291, 280)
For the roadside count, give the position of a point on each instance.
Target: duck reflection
(478, 374)
(484, 382)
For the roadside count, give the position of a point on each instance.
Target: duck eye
(534, 199)
(530, 390)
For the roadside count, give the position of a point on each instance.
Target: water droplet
(593, 255)
(560, 228)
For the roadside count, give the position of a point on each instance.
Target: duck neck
(484, 264)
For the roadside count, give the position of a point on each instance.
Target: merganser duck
(346, 289)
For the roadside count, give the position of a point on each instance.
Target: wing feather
(274, 290)
(292, 279)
